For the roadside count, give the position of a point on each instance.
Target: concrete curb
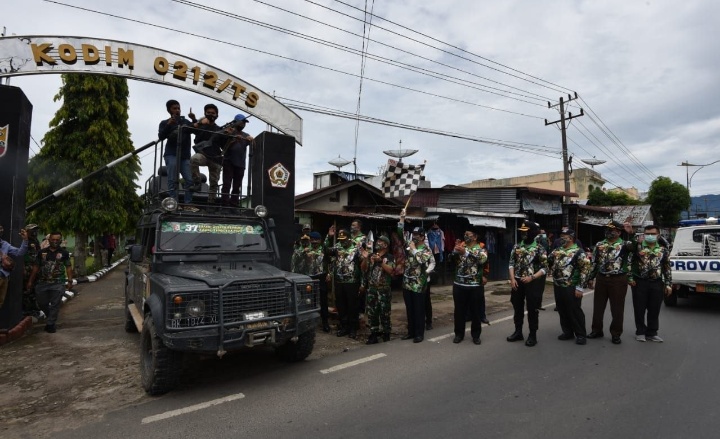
(27, 322)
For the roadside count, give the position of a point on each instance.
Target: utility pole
(562, 120)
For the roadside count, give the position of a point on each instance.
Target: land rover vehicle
(695, 259)
(205, 281)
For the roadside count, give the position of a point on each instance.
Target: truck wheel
(671, 300)
(299, 350)
(160, 367)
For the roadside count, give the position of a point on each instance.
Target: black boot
(325, 326)
(386, 336)
(516, 336)
(373, 339)
(532, 340)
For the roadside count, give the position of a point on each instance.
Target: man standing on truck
(233, 165)
(168, 129)
(209, 151)
(651, 280)
(609, 275)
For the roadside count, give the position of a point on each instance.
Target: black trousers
(530, 295)
(428, 305)
(415, 309)
(322, 279)
(572, 317)
(468, 300)
(346, 301)
(647, 298)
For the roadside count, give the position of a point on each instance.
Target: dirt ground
(53, 382)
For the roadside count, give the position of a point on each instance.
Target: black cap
(569, 232)
(615, 225)
(342, 235)
(419, 230)
(529, 225)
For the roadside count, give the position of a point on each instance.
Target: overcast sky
(646, 74)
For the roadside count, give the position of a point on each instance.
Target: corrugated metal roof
(488, 200)
(636, 215)
(381, 216)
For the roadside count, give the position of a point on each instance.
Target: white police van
(695, 259)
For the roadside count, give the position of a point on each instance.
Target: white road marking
(352, 363)
(192, 408)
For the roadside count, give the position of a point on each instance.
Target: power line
(378, 58)
(539, 97)
(290, 59)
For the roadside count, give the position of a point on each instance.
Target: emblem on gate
(279, 175)
(4, 135)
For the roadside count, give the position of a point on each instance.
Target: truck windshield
(203, 237)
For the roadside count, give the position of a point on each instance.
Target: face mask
(418, 239)
(651, 239)
(468, 239)
(523, 236)
(609, 234)
(380, 247)
(564, 241)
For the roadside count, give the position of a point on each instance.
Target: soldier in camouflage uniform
(651, 280)
(468, 288)
(346, 273)
(317, 269)
(418, 263)
(570, 268)
(378, 267)
(528, 267)
(609, 276)
(29, 301)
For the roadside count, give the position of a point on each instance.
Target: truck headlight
(261, 211)
(170, 204)
(195, 308)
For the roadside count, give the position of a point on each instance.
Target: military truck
(206, 282)
(205, 279)
(695, 259)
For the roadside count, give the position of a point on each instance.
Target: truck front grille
(271, 296)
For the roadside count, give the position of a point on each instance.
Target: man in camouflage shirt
(570, 267)
(419, 261)
(299, 259)
(528, 267)
(468, 289)
(316, 264)
(346, 274)
(652, 279)
(53, 265)
(611, 262)
(378, 267)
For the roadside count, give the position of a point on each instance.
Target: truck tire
(160, 367)
(671, 300)
(294, 351)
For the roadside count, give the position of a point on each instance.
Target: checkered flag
(401, 179)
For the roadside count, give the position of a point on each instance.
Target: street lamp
(687, 171)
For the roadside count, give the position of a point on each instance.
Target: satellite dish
(593, 161)
(400, 153)
(339, 162)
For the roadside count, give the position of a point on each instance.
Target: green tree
(598, 197)
(88, 131)
(668, 199)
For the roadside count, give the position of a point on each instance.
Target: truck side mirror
(136, 253)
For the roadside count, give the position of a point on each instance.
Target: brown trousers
(613, 288)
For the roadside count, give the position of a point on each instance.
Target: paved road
(438, 389)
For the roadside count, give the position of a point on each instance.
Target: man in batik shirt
(378, 267)
(528, 267)
(299, 259)
(611, 262)
(419, 261)
(652, 279)
(346, 273)
(316, 264)
(468, 289)
(570, 267)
